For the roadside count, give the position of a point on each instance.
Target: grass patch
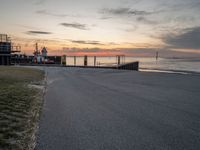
(20, 105)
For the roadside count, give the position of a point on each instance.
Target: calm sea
(145, 64)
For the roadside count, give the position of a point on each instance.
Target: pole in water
(156, 55)
(118, 59)
(95, 59)
(74, 60)
(85, 60)
(63, 60)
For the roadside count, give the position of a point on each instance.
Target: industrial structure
(40, 56)
(6, 48)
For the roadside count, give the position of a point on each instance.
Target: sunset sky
(104, 27)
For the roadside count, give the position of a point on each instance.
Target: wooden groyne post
(63, 60)
(74, 60)
(95, 60)
(85, 60)
(118, 60)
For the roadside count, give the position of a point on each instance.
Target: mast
(36, 48)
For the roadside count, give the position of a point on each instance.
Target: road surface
(98, 109)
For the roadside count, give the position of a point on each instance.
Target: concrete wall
(129, 66)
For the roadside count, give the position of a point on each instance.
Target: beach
(116, 109)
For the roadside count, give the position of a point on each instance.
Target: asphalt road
(96, 109)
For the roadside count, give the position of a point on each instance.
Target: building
(5, 50)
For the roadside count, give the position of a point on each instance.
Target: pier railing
(84, 62)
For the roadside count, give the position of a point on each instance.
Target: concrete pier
(129, 66)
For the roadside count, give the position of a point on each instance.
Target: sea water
(145, 63)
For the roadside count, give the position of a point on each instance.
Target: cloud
(67, 49)
(180, 5)
(45, 12)
(92, 42)
(38, 32)
(105, 18)
(28, 27)
(75, 25)
(144, 52)
(91, 51)
(146, 21)
(124, 11)
(87, 42)
(188, 39)
(39, 2)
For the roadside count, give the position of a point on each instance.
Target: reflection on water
(145, 63)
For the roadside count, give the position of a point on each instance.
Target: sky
(104, 27)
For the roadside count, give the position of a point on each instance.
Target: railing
(119, 64)
(62, 61)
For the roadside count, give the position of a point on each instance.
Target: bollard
(118, 60)
(95, 59)
(74, 60)
(63, 60)
(85, 61)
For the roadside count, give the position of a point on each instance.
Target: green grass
(20, 106)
